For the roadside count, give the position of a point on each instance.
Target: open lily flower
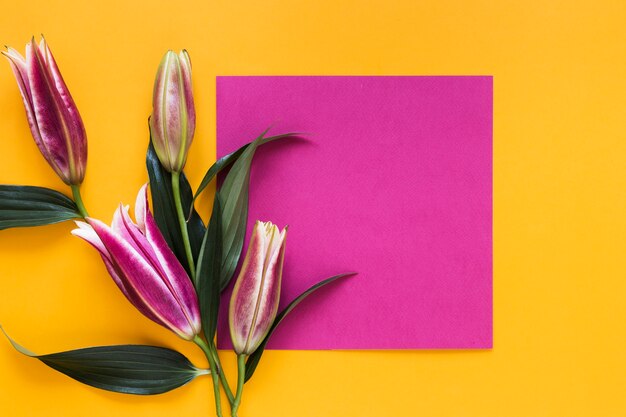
(254, 303)
(52, 115)
(144, 268)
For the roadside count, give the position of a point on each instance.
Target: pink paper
(394, 182)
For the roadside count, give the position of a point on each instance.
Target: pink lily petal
(245, 293)
(158, 128)
(123, 226)
(48, 114)
(20, 70)
(173, 119)
(174, 273)
(141, 207)
(185, 67)
(78, 144)
(87, 233)
(139, 276)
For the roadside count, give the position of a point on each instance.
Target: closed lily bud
(254, 302)
(173, 119)
(144, 268)
(52, 115)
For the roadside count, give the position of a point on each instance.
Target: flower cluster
(167, 262)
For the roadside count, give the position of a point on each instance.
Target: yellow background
(559, 194)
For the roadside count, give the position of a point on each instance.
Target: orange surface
(559, 196)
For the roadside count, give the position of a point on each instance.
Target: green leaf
(129, 369)
(208, 274)
(227, 160)
(255, 357)
(234, 197)
(23, 206)
(164, 209)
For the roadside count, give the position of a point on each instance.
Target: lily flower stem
(221, 374)
(214, 374)
(79, 200)
(183, 223)
(241, 374)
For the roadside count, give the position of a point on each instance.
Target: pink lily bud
(144, 268)
(173, 119)
(52, 115)
(254, 303)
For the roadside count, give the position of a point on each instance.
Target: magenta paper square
(394, 181)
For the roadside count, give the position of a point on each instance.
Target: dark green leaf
(22, 206)
(164, 209)
(255, 357)
(208, 274)
(227, 160)
(129, 369)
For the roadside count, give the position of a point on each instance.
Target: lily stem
(183, 223)
(241, 374)
(78, 199)
(214, 374)
(221, 374)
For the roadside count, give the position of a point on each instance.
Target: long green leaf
(253, 360)
(128, 369)
(164, 209)
(227, 160)
(24, 206)
(208, 274)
